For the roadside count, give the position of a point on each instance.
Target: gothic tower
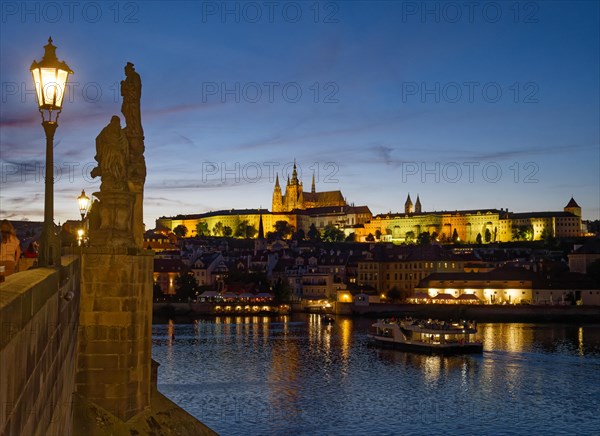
(277, 205)
(260, 243)
(293, 192)
(418, 205)
(312, 188)
(408, 206)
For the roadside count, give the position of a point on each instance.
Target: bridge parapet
(39, 317)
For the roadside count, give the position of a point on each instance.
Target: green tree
(251, 231)
(186, 285)
(227, 231)
(424, 238)
(488, 236)
(332, 234)
(202, 229)
(239, 230)
(409, 236)
(528, 232)
(434, 236)
(244, 230)
(479, 240)
(370, 238)
(313, 234)
(523, 233)
(378, 234)
(351, 237)
(455, 237)
(218, 229)
(548, 237)
(180, 231)
(283, 229)
(299, 235)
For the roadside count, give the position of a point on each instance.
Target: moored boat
(429, 337)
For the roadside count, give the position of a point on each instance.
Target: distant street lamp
(84, 204)
(50, 79)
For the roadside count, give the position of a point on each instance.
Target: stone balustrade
(39, 315)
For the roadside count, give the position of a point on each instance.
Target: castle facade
(471, 226)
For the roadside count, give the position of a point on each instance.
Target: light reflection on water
(293, 375)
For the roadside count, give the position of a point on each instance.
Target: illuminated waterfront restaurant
(500, 286)
(506, 285)
(212, 302)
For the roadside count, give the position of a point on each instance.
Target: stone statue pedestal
(115, 329)
(115, 226)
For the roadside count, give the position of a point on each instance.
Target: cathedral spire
(260, 244)
(277, 205)
(408, 206)
(418, 205)
(312, 189)
(295, 174)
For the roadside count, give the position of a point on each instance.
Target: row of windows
(397, 276)
(388, 266)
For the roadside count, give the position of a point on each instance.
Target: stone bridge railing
(39, 313)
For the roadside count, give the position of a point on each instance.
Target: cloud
(385, 153)
(352, 130)
(529, 151)
(20, 121)
(182, 108)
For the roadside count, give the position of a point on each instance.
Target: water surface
(295, 376)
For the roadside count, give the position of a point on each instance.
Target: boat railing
(432, 324)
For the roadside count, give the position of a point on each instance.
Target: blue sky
(494, 105)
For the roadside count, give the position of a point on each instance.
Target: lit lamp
(84, 204)
(50, 79)
(80, 234)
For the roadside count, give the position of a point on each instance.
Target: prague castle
(296, 199)
(305, 209)
(470, 226)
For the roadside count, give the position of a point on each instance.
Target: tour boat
(427, 336)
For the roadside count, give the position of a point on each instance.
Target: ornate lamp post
(84, 204)
(50, 78)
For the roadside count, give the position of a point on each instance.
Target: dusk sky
(467, 104)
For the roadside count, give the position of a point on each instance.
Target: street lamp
(50, 78)
(84, 203)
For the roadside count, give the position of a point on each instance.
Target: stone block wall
(39, 312)
(115, 333)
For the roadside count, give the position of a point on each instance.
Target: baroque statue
(118, 215)
(131, 91)
(112, 155)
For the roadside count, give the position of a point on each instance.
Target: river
(294, 376)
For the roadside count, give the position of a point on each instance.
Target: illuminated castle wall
(299, 210)
(471, 223)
